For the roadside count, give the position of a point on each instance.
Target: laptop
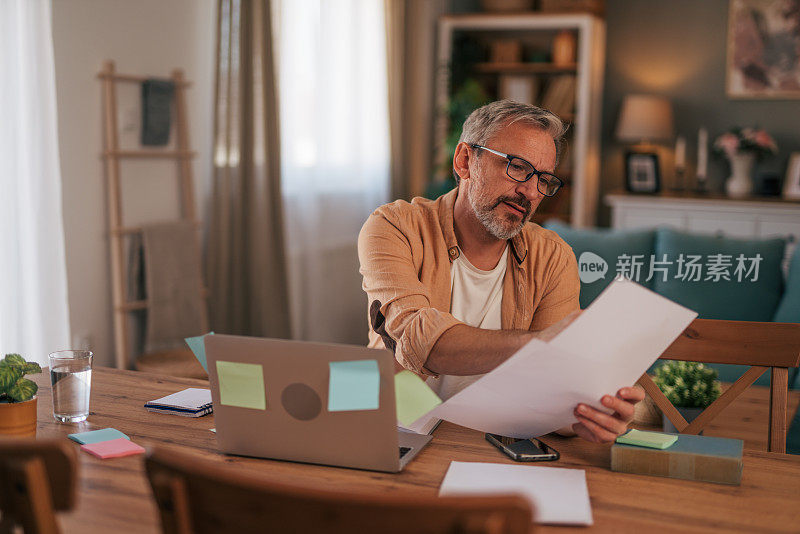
(295, 423)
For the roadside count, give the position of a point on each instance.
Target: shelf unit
(580, 164)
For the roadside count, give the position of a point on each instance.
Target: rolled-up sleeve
(400, 305)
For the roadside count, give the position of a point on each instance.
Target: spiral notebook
(191, 402)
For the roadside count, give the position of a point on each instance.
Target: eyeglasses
(521, 170)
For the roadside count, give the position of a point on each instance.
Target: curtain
(334, 155)
(245, 257)
(34, 315)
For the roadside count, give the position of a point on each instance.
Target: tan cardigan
(406, 250)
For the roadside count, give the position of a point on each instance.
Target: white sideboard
(715, 215)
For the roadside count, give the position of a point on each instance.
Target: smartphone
(524, 450)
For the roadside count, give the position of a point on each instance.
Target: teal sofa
(666, 261)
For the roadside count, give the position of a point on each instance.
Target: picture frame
(762, 62)
(642, 173)
(791, 184)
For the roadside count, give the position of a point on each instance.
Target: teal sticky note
(198, 346)
(97, 436)
(653, 440)
(241, 384)
(353, 385)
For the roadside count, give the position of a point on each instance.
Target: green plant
(14, 387)
(688, 384)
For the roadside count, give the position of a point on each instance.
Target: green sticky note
(353, 385)
(97, 436)
(241, 384)
(414, 397)
(654, 440)
(198, 346)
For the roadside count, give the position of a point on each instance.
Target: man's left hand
(600, 427)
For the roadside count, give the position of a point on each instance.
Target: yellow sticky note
(414, 397)
(241, 384)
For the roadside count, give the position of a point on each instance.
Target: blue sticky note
(198, 346)
(97, 436)
(353, 385)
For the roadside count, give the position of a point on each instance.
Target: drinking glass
(71, 380)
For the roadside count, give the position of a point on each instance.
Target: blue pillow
(602, 252)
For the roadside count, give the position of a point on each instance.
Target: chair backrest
(37, 478)
(762, 346)
(199, 496)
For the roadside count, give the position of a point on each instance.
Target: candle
(680, 153)
(702, 154)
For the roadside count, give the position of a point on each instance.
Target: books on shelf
(559, 95)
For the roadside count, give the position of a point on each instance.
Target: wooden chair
(37, 478)
(762, 346)
(198, 496)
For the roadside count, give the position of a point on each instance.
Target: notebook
(191, 402)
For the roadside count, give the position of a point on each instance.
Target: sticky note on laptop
(353, 385)
(414, 397)
(653, 440)
(241, 385)
(96, 436)
(198, 346)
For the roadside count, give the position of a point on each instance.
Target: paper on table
(353, 385)
(414, 397)
(241, 384)
(559, 496)
(96, 436)
(198, 346)
(606, 348)
(113, 449)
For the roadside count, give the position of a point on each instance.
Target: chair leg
(778, 408)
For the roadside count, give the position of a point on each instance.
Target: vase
(690, 414)
(18, 418)
(740, 182)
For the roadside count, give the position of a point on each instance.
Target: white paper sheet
(606, 348)
(189, 399)
(559, 496)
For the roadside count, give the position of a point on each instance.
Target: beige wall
(149, 37)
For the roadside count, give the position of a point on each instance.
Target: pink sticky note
(113, 448)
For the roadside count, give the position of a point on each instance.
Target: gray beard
(492, 222)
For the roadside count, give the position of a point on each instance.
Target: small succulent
(688, 384)
(14, 387)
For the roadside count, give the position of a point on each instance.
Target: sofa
(719, 277)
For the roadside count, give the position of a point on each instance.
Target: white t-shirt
(476, 299)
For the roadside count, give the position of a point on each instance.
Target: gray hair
(483, 123)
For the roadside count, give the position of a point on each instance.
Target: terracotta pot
(18, 418)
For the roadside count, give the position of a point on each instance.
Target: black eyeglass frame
(536, 172)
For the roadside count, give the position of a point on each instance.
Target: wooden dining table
(114, 495)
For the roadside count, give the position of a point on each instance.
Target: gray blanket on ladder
(172, 282)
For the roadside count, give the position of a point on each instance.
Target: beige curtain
(245, 256)
(411, 27)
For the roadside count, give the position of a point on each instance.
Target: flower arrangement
(13, 386)
(688, 384)
(742, 140)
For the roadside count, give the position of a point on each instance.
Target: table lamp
(644, 120)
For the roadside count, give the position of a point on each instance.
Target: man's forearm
(466, 350)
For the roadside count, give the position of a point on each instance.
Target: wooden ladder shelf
(112, 155)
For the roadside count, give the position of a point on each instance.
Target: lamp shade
(645, 118)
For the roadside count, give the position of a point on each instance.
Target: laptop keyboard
(404, 451)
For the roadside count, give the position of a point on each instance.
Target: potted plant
(742, 146)
(689, 386)
(17, 396)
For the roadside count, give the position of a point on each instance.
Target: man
(459, 284)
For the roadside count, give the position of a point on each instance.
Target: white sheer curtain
(34, 319)
(335, 155)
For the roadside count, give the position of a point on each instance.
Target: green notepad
(653, 440)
